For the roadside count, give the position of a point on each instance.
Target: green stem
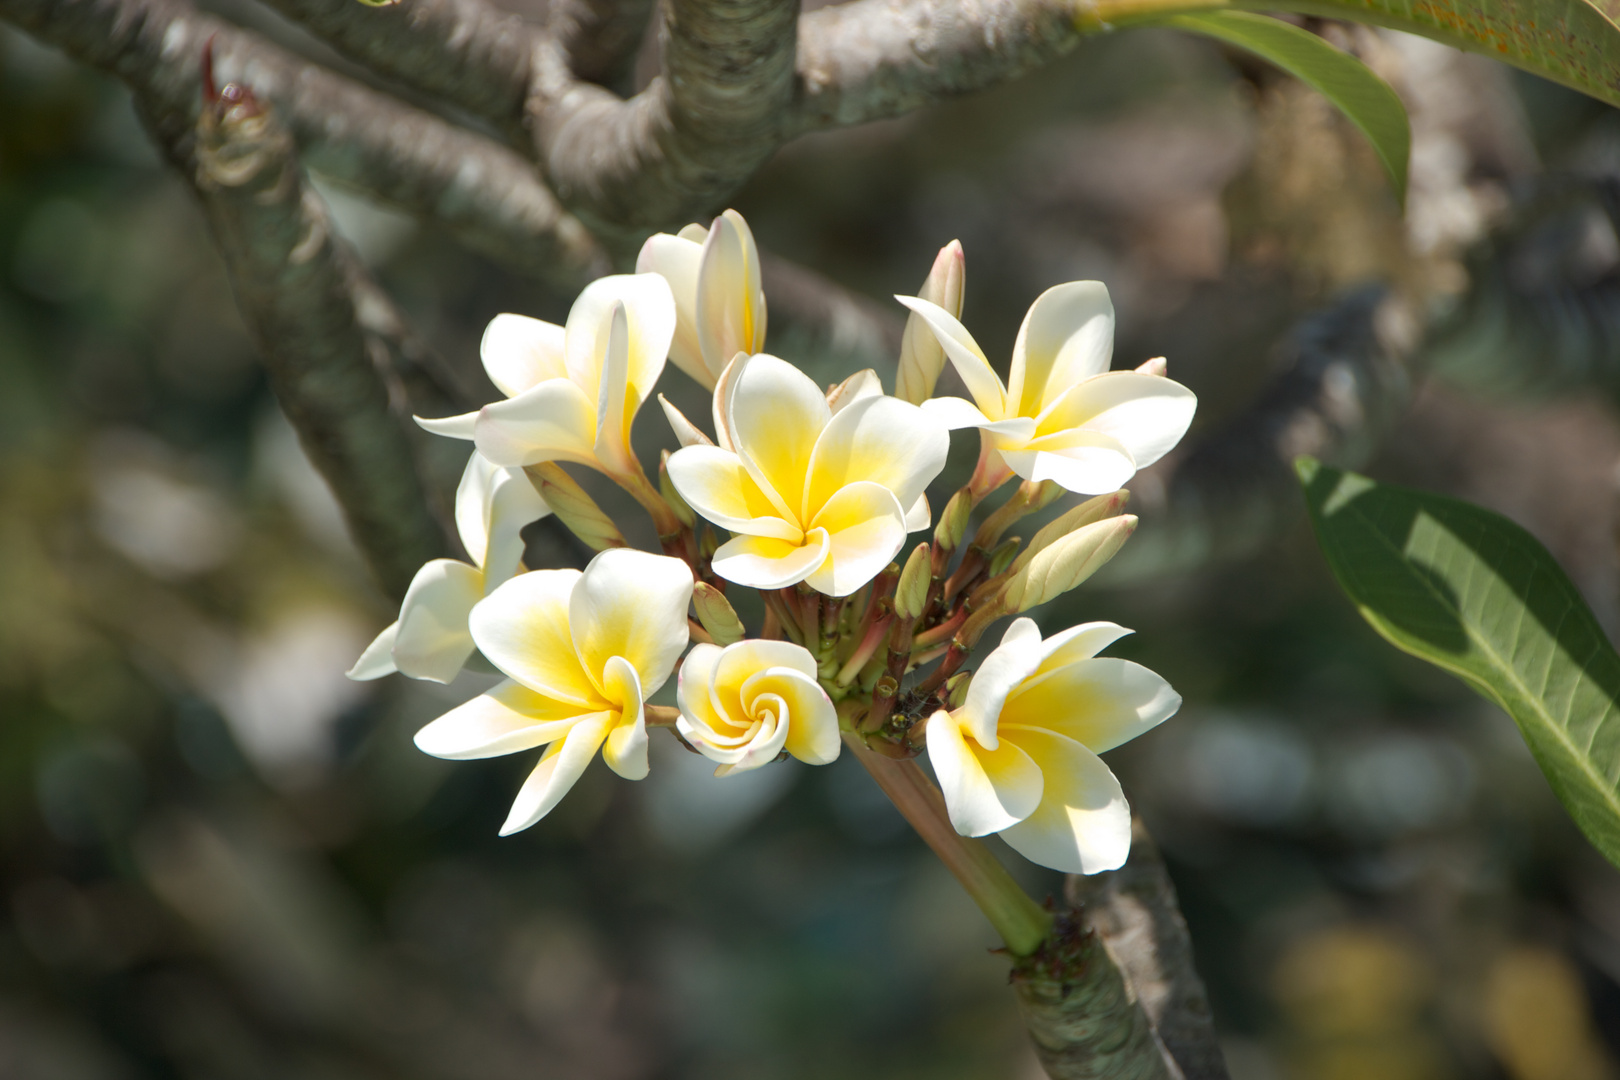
(1022, 923)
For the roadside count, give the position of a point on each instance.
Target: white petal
(955, 413)
(699, 718)
(1067, 336)
(1085, 462)
(1147, 414)
(503, 720)
(775, 415)
(966, 356)
(1008, 664)
(1079, 643)
(882, 440)
(557, 772)
(1083, 823)
(520, 353)
(451, 427)
(1099, 703)
(492, 507)
(522, 628)
(555, 421)
(715, 484)
(862, 384)
(865, 528)
(649, 308)
(631, 604)
(378, 659)
(730, 303)
(761, 562)
(612, 446)
(626, 748)
(433, 641)
(985, 790)
(677, 259)
(919, 516)
(686, 432)
(812, 734)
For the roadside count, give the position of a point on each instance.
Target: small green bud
(716, 614)
(953, 520)
(574, 508)
(912, 592)
(666, 488)
(1002, 557)
(956, 688)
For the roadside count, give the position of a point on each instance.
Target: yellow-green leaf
(1472, 593)
(1362, 96)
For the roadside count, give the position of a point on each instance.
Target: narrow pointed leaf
(1474, 594)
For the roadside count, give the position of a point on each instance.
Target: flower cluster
(807, 497)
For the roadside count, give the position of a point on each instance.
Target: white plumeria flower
(1019, 757)
(744, 704)
(582, 652)
(1063, 415)
(719, 304)
(572, 391)
(812, 495)
(431, 639)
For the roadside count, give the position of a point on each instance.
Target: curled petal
(812, 735)
(762, 562)
(716, 485)
(1067, 336)
(862, 384)
(1083, 823)
(626, 748)
(985, 790)
(919, 516)
(730, 302)
(775, 415)
(1008, 664)
(739, 663)
(492, 507)
(686, 432)
(693, 689)
(520, 353)
(433, 641)
(554, 421)
(878, 439)
(1085, 462)
(1078, 643)
(677, 259)
(865, 528)
(1146, 414)
(557, 772)
(503, 720)
(650, 318)
(965, 355)
(631, 604)
(378, 659)
(451, 427)
(1099, 703)
(522, 628)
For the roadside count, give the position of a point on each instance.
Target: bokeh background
(220, 859)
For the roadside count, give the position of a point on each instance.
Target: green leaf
(1574, 42)
(1344, 80)
(1472, 593)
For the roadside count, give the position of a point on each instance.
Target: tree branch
(292, 278)
(875, 59)
(1133, 911)
(601, 37)
(484, 193)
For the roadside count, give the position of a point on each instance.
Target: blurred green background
(220, 859)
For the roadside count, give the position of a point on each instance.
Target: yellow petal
(520, 353)
(626, 748)
(715, 484)
(522, 628)
(1083, 823)
(775, 416)
(631, 604)
(812, 734)
(865, 528)
(730, 302)
(762, 562)
(557, 772)
(881, 440)
(505, 719)
(1099, 703)
(1067, 336)
(985, 790)
(1146, 414)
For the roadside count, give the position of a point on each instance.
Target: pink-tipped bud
(1156, 366)
(921, 356)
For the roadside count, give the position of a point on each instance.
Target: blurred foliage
(220, 859)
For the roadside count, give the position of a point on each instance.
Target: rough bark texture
(292, 278)
(1133, 912)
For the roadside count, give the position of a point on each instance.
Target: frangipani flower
(719, 305)
(1019, 757)
(582, 652)
(573, 391)
(744, 704)
(431, 639)
(812, 495)
(1063, 415)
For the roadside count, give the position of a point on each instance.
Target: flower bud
(1003, 555)
(1156, 366)
(953, 520)
(574, 508)
(912, 592)
(716, 614)
(1092, 510)
(921, 355)
(956, 688)
(1067, 562)
(671, 496)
